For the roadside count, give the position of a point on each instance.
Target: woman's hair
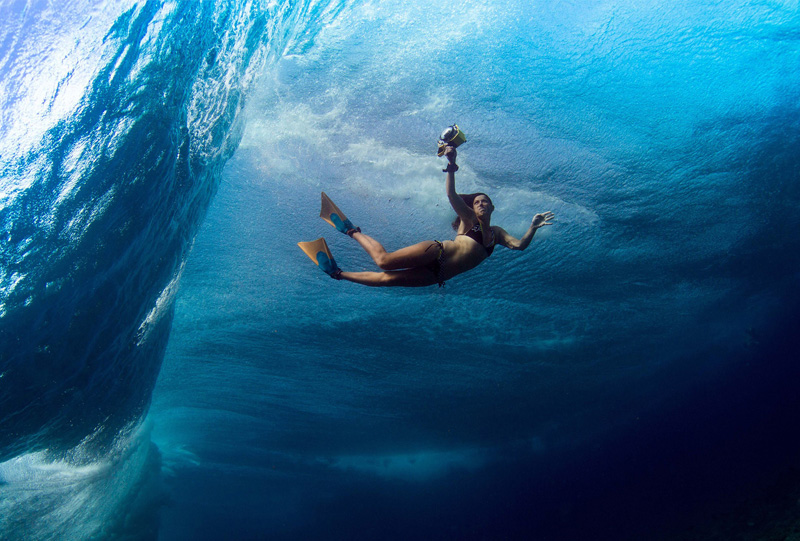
(469, 199)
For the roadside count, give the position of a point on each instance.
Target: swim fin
(331, 214)
(320, 254)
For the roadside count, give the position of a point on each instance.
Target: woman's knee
(386, 262)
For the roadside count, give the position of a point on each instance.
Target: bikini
(476, 234)
(435, 266)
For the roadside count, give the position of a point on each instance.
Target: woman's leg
(417, 255)
(417, 277)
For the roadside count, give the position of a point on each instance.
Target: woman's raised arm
(463, 211)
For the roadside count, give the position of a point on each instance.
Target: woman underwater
(429, 262)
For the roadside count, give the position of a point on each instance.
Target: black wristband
(451, 168)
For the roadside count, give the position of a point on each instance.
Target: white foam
(161, 307)
(79, 495)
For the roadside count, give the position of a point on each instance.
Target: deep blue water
(172, 366)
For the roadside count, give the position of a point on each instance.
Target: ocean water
(173, 367)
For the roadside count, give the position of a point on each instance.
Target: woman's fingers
(543, 219)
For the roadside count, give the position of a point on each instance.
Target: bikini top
(476, 234)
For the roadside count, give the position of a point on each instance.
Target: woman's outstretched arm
(463, 211)
(503, 238)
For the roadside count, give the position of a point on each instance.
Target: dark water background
(172, 365)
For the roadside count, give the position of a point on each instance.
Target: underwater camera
(452, 136)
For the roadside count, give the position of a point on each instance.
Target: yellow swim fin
(331, 214)
(320, 254)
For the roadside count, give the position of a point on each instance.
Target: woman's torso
(465, 252)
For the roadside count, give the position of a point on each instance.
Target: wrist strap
(451, 168)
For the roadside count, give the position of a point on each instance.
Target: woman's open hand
(543, 219)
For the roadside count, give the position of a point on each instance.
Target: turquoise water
(173, 366)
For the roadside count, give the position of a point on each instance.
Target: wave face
(117, 118)
(643, 341)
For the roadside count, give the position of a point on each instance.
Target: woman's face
(482, 205)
